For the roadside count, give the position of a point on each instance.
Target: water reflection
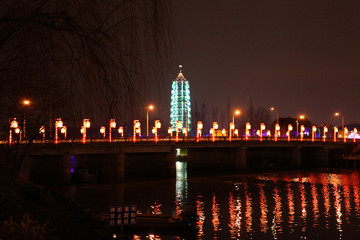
(258, 206)
(181, 186)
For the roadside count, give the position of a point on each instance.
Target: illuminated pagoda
(180, 109)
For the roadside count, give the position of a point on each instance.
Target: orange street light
(150, 107)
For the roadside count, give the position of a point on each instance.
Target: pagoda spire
(180, 75)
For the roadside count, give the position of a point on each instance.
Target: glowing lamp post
(262, 128)
(325, 131)
(137, 129)
(288, 133)
(178, 128)
(42, 132)
(84, 127)
(121, 131)
(302, 129)
(336, 130)
(236, 113)
(112, 124)
(214, 130)
(26, 103)
(58, 125)
(313, 133)
(247, 131)
(13, 126)
(103, 131)
(150, 107)
(277, 114)
(345, 134)
(355, 132)
(277, 132)
(199, 130)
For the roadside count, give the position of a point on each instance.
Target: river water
(269, 205)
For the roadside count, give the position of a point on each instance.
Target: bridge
(113, 161)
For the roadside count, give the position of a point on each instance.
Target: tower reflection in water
(283, 206)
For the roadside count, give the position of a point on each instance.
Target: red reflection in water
(347, 195)
(232, 214)
(277, 210)
(264, 210)
(315, 203)
(235, 216)
(326, 196)
(248, 210)
(303, 205)
(215, 214)
(355, 181)
(201, 216)
(290, 200)
(337, 205)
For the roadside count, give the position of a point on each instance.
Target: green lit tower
(180, 109)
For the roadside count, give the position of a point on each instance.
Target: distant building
(180, 109)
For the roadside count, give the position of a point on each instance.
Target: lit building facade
(180, 109)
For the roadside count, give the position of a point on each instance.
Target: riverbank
(65, 220)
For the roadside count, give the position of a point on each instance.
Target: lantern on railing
(155, 130)
(231, 129)
(199, 130)
(302, 130)
(112, 124)
(121, 131)
(42, 132)
(325, 131)
(63, 130)
(13, 126)
(262, 128)
(214, 130)
(185, 132)
(313, 130)
(103, 131)
(346, 131)
(170, 132)
(355, 132)
(178, 128)
(236, 132)
(84, 127)
(336, 130)
(137, 130)
(58, 125)
(247, 131)
(277, 132)
(288, 133)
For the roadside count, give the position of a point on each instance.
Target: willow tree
(82, 58)
(75, 59)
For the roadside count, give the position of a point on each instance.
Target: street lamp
(26, 103)
(236, 112)
(277, 114)
(337, 114)
(150, 107)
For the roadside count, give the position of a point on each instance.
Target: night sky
(301, 56)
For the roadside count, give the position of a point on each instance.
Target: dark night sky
(301, 56)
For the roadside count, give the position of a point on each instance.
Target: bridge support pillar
(240, 156)
(295, 157)
(324, 158)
